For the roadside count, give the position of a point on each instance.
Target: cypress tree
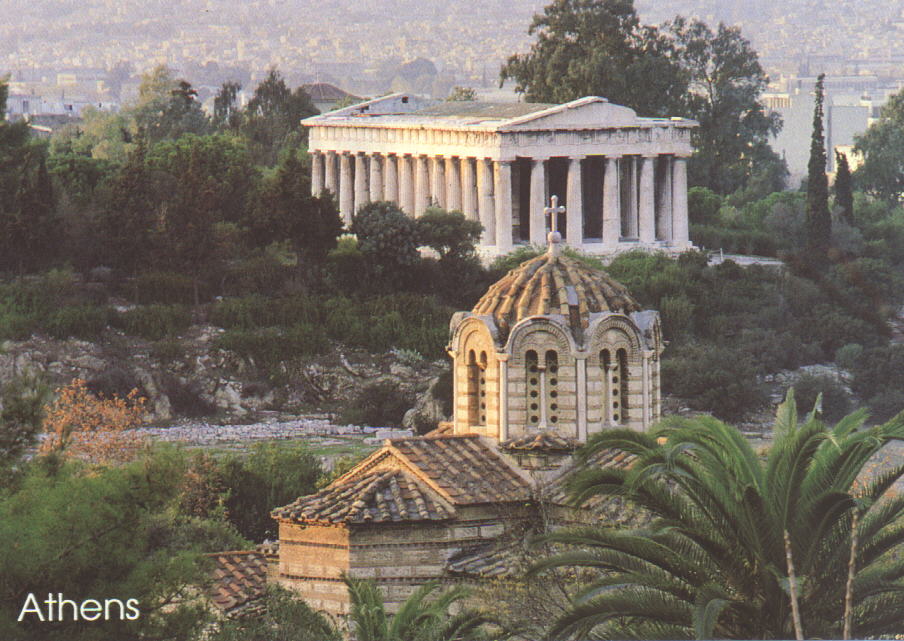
(844, 195)
(819, 221)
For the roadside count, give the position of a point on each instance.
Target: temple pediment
(585, 113)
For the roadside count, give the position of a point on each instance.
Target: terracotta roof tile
(466, 469)
(388, 495)
(541, 441)
(238, 579)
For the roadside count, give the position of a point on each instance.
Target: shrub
(847, 356)
(835, 402)
(78, 321)
(380, 404)
(166, 288)
(269, 346)
(168, 350)
(186, 398)
(154, 322)
(114, 381)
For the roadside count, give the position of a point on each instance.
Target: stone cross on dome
(554, 238)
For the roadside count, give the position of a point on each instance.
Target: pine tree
(819, 221)
(844, 195)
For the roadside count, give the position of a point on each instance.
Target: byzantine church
(553, 353)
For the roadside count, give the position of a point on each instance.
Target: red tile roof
(388, 495)
(238, 580)
(541, 441)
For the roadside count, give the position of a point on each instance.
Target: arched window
(482, 388)
(473, 391)
(532, 373)
(615, 386)
(621, 359)
(552, 387)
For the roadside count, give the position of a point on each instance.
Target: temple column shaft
(438, 173)
(453, 185)
(406, 184)
(574, 200)
(503, 192)
(537, 202)
(376, 177)
(647, 201)
(664, 208)
(680, 236)
(329, 172)
(486, 201)
(421, 186)
(611, 205)
(362, 195)
(316, 173)
(468, 189)
(346, 193)
(630, 211)
(391, 184)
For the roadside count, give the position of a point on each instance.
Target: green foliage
(164, 287)
(449, 233)
(285, 618)
(423, 616)
(270, 346)
(380, 404)
(124, 538)
(882, 172)
(22, 402)
(712, 563)
(273, 474)
(844, 194)
(703, 206)
(154, 322)
(819, 221)
(878, 378)
(388, 239)
(848, 356)
(825, 392)
(76, 321)
(461, 94)
(167, 108)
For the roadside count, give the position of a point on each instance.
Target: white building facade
(622, 178)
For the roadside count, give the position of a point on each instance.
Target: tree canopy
(882, 147)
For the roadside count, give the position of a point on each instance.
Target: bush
(835, 401)
(154, 322)
(380, 404)
(270, 346)
(166, 288)
(186, 398)
(847, 356)
(114, 381)
(79, 321)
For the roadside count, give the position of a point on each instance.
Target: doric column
(503, 192)
(421, 186)
(316, 173)
(537, 202)
(376, 177)
(664, 202)
(362, 196)
(486, 205)
(647, 201)
(611, 205)
(631, 209)
(680, 237)
(453, 185)
(438, 175)
(346, 193)
(391, 183)
(468, 189)
(406, 184)
(574, 201)
(331, 178)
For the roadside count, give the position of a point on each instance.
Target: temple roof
(554, 284)
(540, 442)
(388, 495)
(238, 580)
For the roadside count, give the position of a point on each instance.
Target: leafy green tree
(285, 618)
(882, 171)
(272, 118)
(844, 193)
(424, 616)
(819, 220)
(725, 83)
(285, 210)
(727, 525)
(271, 475)
(449, 233)
(22, 402)
(167, 107)
(389, 240)
(598, 48)
(226, 114)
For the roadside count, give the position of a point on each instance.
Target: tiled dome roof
(554, 284)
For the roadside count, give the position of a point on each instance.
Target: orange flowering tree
(93, 428)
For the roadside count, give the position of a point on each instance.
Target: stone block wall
(311, 562)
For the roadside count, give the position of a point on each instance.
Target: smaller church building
(622, 177)
(553, 353)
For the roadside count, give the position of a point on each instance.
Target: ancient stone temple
(554, 352)
(622, 177)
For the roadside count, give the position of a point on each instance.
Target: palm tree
(740, 546)
(424, 616)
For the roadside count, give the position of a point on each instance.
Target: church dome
(554, 284)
